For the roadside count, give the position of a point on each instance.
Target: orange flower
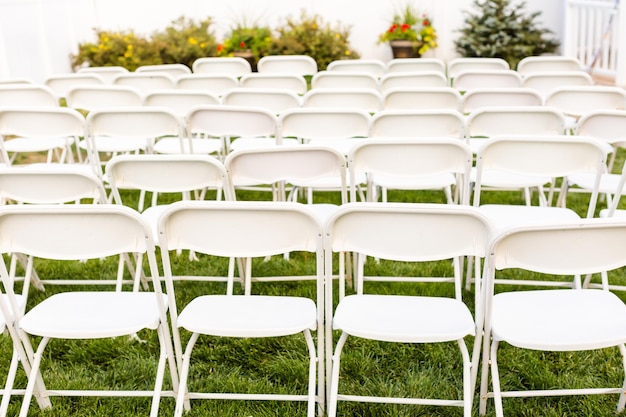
(404, 27)
(220, 47)
(426, 22)
(393, 28)
(242, 44)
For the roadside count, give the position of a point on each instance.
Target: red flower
(426, 22)
(242, 44)
(393, 28)
(404, 27)
(220, 47)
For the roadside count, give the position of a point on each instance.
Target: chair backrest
(146, 82)
(458, 65)
(542, 156)
(366, 99)
(371, 66)
(14, 81)
(179, 101)
(283, 81)
(548, 63)
(272, 99)
(499, 97)
(411, 158)
(27, 95)
(106, 73)
(175, 70)
(605, 125)
(576, 101)
(420, 79)
(250, 167)
(471, 79)
(233, 66)
(51, 122)
(134, 122)
(418, 123)
(545, 82)
(344, 79)
(422, 98)
(164, 173)
(416, 64)
(232, 121)
(92, 97)
(324, 123)
(37, 184)
(216, 84)
(492, 121)
(287, 64)
(62, 83)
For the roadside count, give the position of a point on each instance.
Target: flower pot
(248, 56)
(404, 49)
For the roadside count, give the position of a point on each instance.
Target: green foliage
(501, 29)
(411, 25)
(244, 38)
(310, 35)
(184, 41)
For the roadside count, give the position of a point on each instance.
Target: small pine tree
(501, 29)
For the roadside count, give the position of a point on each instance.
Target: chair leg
(158, 384)
(8, 386)
(32, 377)
(311, 402)
(622, 397)
(182, 403)
(495, 380)
(468, 387)
(334, 379)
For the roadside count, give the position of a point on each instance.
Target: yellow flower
(129, 47)
(192, 41)
(347, 52)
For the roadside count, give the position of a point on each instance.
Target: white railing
(593, 30)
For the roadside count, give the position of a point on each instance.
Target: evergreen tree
(502, 29)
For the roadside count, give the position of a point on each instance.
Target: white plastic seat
(545, 82)
(233, 66)
(233, 126)
(27, 95)
(216, 83)
(408, 233)
(562, 320)
(62, 83)
(548, 63)
(458, 65)
(175, 70)
(343, 79)
(366, 99)
(245, 230)
(146, 82)
(287, 64)
(107, 73)
(499, 97)
(418, 123)
(422, 98)
(82, 232)
(91, 97)
(338, 128)
(472, 79)
(272, 99)
(416, 64)
(412, 164)
(374, 67)
(419, 79)
(283, 81)
(606, 125)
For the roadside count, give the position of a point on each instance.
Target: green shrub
(247, 38)
(310, 35)
(184, 41)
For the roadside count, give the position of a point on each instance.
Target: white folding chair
(82, 232)
(283, 81)
(412, 164)
(366, 99)
(418, 123)
(233, 66)
(216, 84)
(27, 95)
(421, 98)
(548, 63)
(458, 65)
(146, 82)
(175, 70)
(420, 79)
(545, 82)
(374, 67)
(605, 125)
(406, 233)
(338, 128)
(563, 320)
(272, 99)
(234, 126)
(246, 230)
(15, 81)
(343, 79)
(471, 79)
(106, 73)
(91, 97)
(416, 64)
(62, 83)
(287, 64)
(499, 97)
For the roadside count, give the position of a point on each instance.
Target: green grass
(279, 365)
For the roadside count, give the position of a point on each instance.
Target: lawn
(273, 365)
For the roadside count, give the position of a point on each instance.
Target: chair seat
(248, 316)
(36, 144)
(502, 179)
(92, 315)
(433, 182)
(409, 319)
(342, 145)
(118, 144)
(260, 143)
(504, 216)
(200, 146)
(608, 182)
(559, 320)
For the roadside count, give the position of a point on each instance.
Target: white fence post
(620, 76)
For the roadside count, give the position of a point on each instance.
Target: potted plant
(410, 34)
(250, 42)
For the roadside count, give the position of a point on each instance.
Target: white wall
(38, 36)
